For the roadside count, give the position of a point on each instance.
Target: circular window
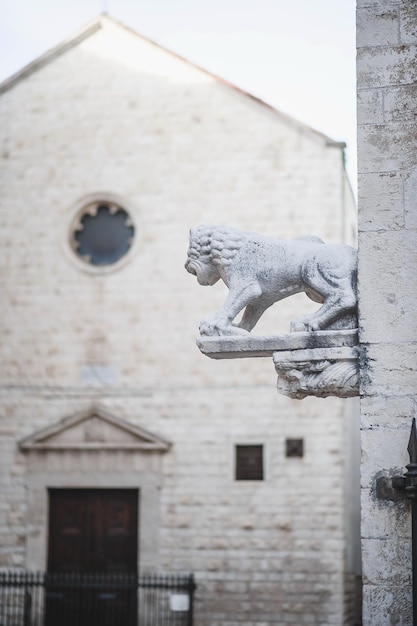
(102, 234)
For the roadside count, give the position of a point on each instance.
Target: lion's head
(211, 247)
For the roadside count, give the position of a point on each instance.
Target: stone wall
(387, 162)
(115, 114)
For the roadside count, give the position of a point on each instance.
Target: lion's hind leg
(335, 307)
(329, 280)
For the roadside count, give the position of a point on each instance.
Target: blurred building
(124, 448)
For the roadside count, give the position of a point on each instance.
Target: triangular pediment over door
(93, 429)
(94, 452)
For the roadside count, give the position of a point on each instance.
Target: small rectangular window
(249, 462)
(294, 448)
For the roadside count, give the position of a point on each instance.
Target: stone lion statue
(260, 270)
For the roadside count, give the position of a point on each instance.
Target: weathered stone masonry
(387, 163)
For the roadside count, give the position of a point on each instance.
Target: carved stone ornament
(320, 372)
(259, 270)
(320, 356)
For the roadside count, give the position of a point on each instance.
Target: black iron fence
(48, 599)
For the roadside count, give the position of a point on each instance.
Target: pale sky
(297, 55)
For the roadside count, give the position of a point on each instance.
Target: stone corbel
(319, 372)
(321, 364)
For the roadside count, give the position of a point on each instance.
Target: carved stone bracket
(321, 364)
(319, 372)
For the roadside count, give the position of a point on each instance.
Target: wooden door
(92, 531)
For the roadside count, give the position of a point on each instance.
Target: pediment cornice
(93, 429)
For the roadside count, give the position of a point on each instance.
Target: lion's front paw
(304, 325)
(298, 326)
(210, 327)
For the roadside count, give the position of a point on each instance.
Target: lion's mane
(217, 243)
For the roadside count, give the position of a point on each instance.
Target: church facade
(112, 149)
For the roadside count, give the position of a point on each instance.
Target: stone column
(387, 199)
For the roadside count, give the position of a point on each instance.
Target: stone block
(408, 23)
(385, 66)
(376, 25)
(381, 201)
(387, 289)
(370, 106)
(386, 561)
(383, 451)
(384, 519)
(394, 412)
(410, 195)
(387, 148)
(400, 103)
(391, 369)
(387, 605)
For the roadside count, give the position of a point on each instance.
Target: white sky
(297, 55)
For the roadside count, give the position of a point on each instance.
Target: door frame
(147, 483)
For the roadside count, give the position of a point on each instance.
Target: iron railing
(49, 599)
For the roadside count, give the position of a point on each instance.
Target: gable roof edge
(223, 81)
(52, 53)
(97, 23)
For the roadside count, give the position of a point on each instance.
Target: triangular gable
(94, 429)
(101, 22)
